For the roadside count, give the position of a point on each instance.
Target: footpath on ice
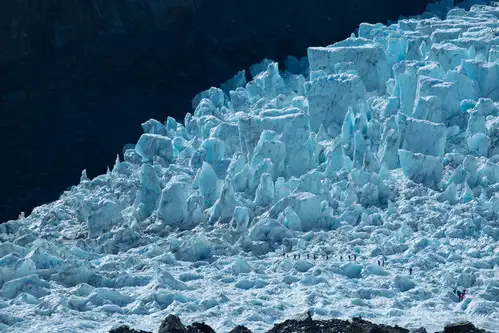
(383, 148)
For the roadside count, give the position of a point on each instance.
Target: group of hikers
(353, 257)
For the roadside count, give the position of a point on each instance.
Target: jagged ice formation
(384, 145)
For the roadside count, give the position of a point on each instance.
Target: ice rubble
(385, 145)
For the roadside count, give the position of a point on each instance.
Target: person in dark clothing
(379, 263)
(341, 258)
(308, 256)
(355, 257)
(458, 293)
(463, 294)
(410, 271)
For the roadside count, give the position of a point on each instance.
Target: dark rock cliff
(77, 77)
(37, 27)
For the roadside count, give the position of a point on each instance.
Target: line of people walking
(381, 262)
(351, 257)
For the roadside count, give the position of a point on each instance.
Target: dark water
(75, 107)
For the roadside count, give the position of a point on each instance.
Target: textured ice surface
(384, 146)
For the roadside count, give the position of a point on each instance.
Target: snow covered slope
(383, 145)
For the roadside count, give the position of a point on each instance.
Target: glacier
(384, 146)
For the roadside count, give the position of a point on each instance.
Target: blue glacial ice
(383, 147)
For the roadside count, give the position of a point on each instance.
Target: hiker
(308, 256)
(355, 257)
(379, 263)
(327, 257)
(315, 257)
(410, 271)
(458, 293)
(299, 255)
(463, 294)
(341, 258)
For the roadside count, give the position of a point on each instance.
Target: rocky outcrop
(463, 327)
(199, 328)
(172, 324)
(240, 329)
(357, 325)
(126, 329)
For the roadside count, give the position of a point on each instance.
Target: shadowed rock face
(126, 329)
(36, 27)
(77, 77)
